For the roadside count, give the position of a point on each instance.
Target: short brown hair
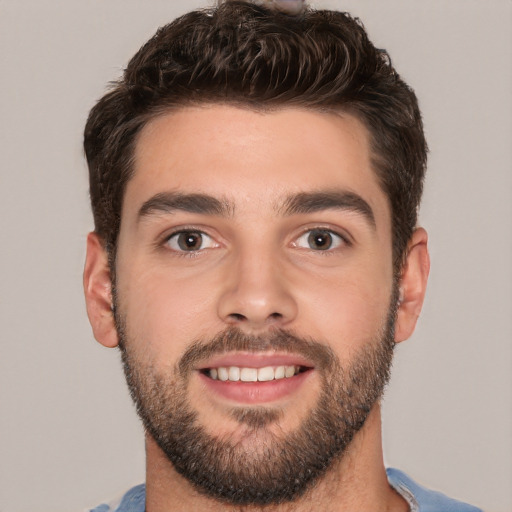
(249, 55)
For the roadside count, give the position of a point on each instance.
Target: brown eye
(319, 240)
(189, 241)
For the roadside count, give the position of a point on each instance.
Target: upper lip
(256, 360)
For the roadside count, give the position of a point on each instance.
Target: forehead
(252, 158)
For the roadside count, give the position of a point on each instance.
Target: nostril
(237, 317)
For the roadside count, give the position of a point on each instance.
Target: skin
(257, 271)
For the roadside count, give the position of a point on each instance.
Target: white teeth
(279, 372)
(234, 373)
(265, 374)
(249, 374)
(289, 371)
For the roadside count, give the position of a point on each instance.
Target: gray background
(69, 434)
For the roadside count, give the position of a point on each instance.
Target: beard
(273, 467)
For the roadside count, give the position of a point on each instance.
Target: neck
(357, 482)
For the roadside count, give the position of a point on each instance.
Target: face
(254, 293)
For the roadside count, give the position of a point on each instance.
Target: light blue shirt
(418, 497)
(421, 499)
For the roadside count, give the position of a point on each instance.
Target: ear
(98, 292)
(413, 284)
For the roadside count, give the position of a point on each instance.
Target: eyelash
(184, 253)
(343, 240)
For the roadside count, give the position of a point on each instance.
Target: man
(255, 179)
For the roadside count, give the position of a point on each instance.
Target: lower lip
(256, 392)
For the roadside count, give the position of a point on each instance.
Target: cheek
(165, 311)
(348, 308)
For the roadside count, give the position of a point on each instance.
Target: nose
(256, 294)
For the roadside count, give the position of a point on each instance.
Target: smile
(244, 374)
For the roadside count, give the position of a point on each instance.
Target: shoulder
(132, 501)
(421, 499)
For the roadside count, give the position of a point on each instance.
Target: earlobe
(413, 284)
(98, 292)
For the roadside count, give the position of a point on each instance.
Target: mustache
(233, 339)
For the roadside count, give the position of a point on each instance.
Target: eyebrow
(301, 203)
(311, 202)
(170, 202)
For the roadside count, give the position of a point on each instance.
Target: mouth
(247, 374)
(255, 378)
